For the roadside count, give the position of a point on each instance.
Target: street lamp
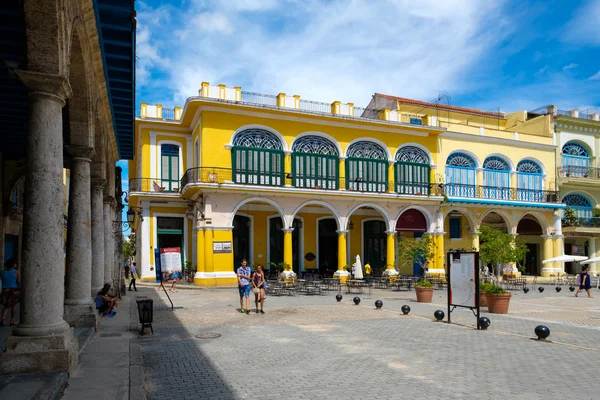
(130, 215)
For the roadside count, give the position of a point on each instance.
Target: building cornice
(493, 140)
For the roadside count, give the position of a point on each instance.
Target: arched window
(412, 171)
(169, 171)
(366, 167)
(496, 179)
(315, 163)
(16, 196)
(460, 175)
(580, 204)
(257, 158)
(575, 160)
(529, 181)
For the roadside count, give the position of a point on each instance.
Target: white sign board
(170, 261)
(463, 282)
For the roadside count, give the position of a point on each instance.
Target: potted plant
(570, 217)
(498, 248)
(411, 251)
(424, 290)
(483, 288)
(498, 299)
(190, 271)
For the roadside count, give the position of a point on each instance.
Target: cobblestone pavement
(311, 347)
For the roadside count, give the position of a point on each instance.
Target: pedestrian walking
(134, 273)
(244, 274)
(584, 282)
(11, 280)
(258, 287)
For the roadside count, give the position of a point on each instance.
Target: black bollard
(356, 300)
(525, 290)
(558, 289)
(541, 289)
(339, 297)
(378, 304)
(542, 332)
(405, 309)
(571, 288)
(439, 315)
(484, 322)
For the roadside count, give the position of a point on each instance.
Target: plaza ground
(313, 347)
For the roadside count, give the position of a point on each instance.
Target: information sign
(463, 282)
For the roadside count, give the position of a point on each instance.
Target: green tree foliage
(420, 251)
(499, 248)
(129, 247)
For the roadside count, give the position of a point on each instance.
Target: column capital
(390, 232)
(287, 229)
(341, 232)
(557, 236)
(56, 86)
(288, 152)
(108, 200)
(81, 152)
(547, 236)
(474, 234)
(98, 183)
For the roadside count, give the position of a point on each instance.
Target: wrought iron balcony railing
(501, 193)
(573, 171)
(590, 222)
(227, 175)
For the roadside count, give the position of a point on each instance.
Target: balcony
(572, 171)
(501, 193)
(227, 176)
(590, 222)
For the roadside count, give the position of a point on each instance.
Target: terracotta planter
(498, 303)
(482, 300)
(424, 294)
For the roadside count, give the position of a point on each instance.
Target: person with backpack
(584, 281)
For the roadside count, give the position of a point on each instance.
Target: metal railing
(148, 185)
(315, 106)
(574, 171)
(168, 113)
(226, 175)
(358, 112)
(259, 98)
(590, 222)
(501, 193)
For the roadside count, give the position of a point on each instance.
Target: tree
(499, 248)
(419, 251)
(129, 247)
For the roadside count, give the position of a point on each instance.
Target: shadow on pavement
(173, 359)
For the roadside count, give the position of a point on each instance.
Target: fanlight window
(315, 163)
(460, 175)
(496, 179)
(257, 158)
(581, 204)
(575, 160)
(366, 167)
(412, 171)
(529, 181)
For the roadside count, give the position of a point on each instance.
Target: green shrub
(493, 289)
(484, 287)
(423, 283)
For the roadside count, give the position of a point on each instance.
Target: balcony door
(460, 175)
(496, 179)
(169, 172)
(257, 158)
(575, 160)
(366, 167)
(315, 163)
(412, 171)
(529, 181)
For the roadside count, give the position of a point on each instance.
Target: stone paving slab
(313, 347)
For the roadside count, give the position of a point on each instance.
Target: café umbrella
(358, 273)
(564, 258)
(591, 260)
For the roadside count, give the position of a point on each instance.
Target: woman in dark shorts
(585, 282)
(258, 287)
(10, 290)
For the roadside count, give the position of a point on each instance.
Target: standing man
(367, 272)
(243, 275)
(133, 275)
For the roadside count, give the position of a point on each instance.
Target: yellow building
(279, 180)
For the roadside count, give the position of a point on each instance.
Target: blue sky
(491, 55)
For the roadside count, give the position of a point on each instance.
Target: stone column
(79, 309)
(108, 241)
(390, 268)
(342, 274)
(475, 241)
(592, 253)
(287, 252)
(97, 235)
(43, 341)
(548, 253)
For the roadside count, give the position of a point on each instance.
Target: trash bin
(145, 312)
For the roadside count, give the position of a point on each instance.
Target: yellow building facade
(307, 186)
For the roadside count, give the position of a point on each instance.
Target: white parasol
(358, 273)
(591, 260)
(564, 258)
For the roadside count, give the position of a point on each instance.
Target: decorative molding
(493, 140)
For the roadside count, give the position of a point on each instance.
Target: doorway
(531, 259)
(241, 240)
(374, 244)
(276, 243)
(170, 234)
(327, 250)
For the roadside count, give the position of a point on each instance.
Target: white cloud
(584, 28)
(322, 50)
(570, 66)
(595, 77)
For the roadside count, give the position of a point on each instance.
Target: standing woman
(584, 282)
(10, 290)
(258, 287)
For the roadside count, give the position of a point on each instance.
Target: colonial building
(577, 138)
(67, 101)
(279, 180)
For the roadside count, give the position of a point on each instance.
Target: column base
(215, 279)
(341, 275)
(390, 272)
(81, 315)
(31, 354)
